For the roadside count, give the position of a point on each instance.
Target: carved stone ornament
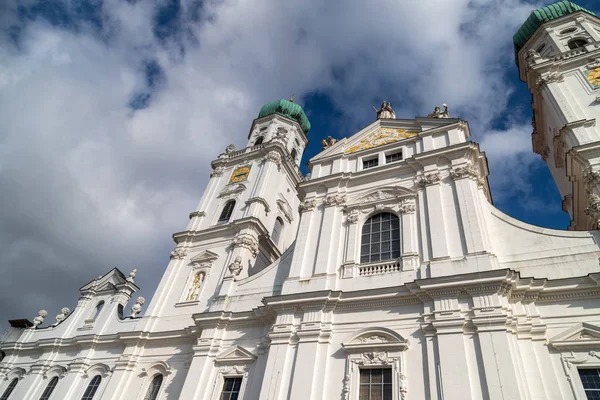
(386, 111)
(178, 254)
(377, 196)
(593, 208)
(334, 200)
(550, 77)
(236, 266)
(274, 157)
(218, 171)
(285, 209)
(468, 171)
(307, 205)
(532, 57)
(230, 149)
(248, 242)
(281, 133)
(591, 179)
(428, 179)
(407, 206)
(137, 307)
(40, 318)
(352, 217)
(374, 358)
(373, 339)
(64, 313)
(131, 277)
(259, 200)
(325, 143)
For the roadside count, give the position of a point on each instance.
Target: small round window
(568, 30)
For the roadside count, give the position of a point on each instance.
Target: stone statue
(64, 313)
(236, 266)
(131, 276)
(137, 307)
(438, 113)
(230, 149)
(195, 289)
(40, 318)
(328, 142)
(386, 111)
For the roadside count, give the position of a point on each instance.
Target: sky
(111, 112)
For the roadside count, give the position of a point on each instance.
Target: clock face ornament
(239, 174)
(594, 77)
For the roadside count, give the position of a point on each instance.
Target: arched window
(380, 238)
(92, 388)
(259, 140)
(49, 389)
(294, 154)
(98, 309)
(9, 389)
(576, 43)
(277, 230)
(154, 388)
(227, 211)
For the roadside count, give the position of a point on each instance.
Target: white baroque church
(387, 274)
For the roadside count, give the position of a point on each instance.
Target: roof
(542, 15)
(288, 109)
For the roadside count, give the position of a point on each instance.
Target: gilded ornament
(380, 137)
(594, 77)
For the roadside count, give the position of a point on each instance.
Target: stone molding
(547, 78)
(217, 171)
(274, 157)
(335, 200)
(248, 242)
(285, 209)
(232, 190)
(178, 254)
(197, 214)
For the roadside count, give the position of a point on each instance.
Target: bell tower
(557, 51)
(246, 219)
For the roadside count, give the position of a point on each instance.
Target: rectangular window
(390, 158)
(375, 384)
(231, 388)
(590, 378)
(370, 163)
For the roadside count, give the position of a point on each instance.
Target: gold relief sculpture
(239, 175)
(380, 137)
(594, 77)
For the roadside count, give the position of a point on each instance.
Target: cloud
(112, 114)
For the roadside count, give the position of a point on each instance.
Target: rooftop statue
(386, 111)
(438, 113)
(328, 142)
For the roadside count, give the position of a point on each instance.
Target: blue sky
(112, 111)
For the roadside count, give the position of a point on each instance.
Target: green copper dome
(287, 109)
(539, 16)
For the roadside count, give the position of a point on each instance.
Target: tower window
(568, 30)
(277, 231)
(576, 43)
(541, 47)
(390, 158)
(375, 384)
(92, 388)
(259, 140)
(231, 388)
(373, 162)
(9, 389)
(227, 211)
(154, 388)
(98, 309)
(380, 239)
(294, 154)
(49, 389)
(590, 378)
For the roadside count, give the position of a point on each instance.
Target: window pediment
(582, 335)
(381, 197)
(236, 355)
(374, 340)
(232, 190)
(204, 259)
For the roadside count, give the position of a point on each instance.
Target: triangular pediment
(580, 335)
(380, 195)
(205, 256)
(108, 282)
(235, 355)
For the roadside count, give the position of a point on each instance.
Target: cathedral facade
(387, 274)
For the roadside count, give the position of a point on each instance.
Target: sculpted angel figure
(328, 142)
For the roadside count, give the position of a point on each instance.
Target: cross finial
(292, 98)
